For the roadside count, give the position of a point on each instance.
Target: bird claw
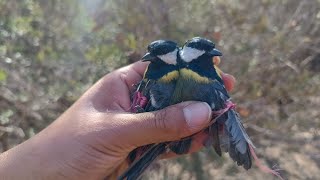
(139, 102)
(139, 109)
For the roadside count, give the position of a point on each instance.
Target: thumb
(172, 123)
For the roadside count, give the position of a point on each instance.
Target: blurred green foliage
(51, 51)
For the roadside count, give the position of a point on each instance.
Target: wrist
(25, 162)
(56, 154)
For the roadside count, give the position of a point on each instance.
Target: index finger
(133, 73)
(139, 67)
(229, 81)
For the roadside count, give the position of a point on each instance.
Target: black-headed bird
(155, 90)
(201, 81)
(161, 74)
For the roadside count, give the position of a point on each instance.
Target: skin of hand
(92, 139)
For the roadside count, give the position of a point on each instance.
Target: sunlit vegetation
(51, 51)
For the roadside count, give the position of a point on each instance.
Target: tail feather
(138, 152)
(244, 133)
(246, 159)
(139, 166)
(239, 140)
(214, 133)
(132, 155)
(181, 146)
(241, 159)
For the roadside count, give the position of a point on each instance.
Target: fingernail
(197, 115)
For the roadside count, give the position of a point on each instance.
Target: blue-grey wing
(233, 138)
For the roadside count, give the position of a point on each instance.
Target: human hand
(92, 139)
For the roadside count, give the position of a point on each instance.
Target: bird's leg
(139, 109)
(139, 102)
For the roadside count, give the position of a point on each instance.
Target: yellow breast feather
(189, 74)
(169, 77)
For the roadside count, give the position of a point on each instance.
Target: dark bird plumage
(235, 139)
(192, 76)
(157, 85)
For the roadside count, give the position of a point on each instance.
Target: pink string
(228, 105)
(263, 167)
(216, 114)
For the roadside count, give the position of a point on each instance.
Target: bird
(190, 75)
(156, 88)
(201, 81)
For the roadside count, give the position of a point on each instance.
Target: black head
(163, 50)
(197, 47)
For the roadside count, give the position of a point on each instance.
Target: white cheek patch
(169, 58)
(188, 54)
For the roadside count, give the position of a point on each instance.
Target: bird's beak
(147, 57)
(215, 52)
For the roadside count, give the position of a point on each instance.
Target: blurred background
(51, 51)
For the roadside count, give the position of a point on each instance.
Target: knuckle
(162, 121)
